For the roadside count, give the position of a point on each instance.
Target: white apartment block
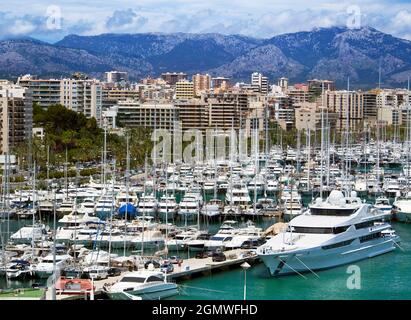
(83, 96)
(261, 81)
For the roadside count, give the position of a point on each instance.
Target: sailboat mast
(34, 205)
(127, 187)
(322, 142)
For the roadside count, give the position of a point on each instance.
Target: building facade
(16, 116)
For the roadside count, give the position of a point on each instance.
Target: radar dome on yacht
(335, 197)
(318, 200)
(353, 194)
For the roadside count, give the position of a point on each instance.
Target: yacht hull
(318, 258)
(156, 292)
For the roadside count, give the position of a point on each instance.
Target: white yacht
(167, 207)
(383, 204)
(212, 209)
(105, 206)
(65, 207)
(225, 234)
(87, 206)
(122, 198)
(18, 269)
(179, 242)
(402, 208)
(45, 268)
(189, 207)
(28, 233)
(147, 285)
(292, 204)
(237, 194)
(147, 205)
(333, 232)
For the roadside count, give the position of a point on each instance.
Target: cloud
(120, 18)
(258, 18)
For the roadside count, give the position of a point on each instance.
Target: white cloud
(258, 18)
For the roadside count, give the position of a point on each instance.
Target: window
(338, 245)
(331, 212)
(132, 279)
(312, 230)
(365, 224)
(154, 279)
(370, 237)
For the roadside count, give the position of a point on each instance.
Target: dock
(189, 268)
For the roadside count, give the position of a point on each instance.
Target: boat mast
(308, 157)
(127, 187)
(65, 175)
(255, 167)
(53, 292)
(33, 206)
(322, 142)
(166, 215)
(144, 214)
(112, 210)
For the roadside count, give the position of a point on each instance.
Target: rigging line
(398, 245)
(204, 289)
(292, 268)
(307, 267)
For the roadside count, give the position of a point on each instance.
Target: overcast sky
(256, 18)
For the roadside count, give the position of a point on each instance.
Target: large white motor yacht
(333, 232)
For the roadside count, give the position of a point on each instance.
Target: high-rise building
(283, 84)
(316, 86)
(173, 77)
(348, 105)
(45, 92)
(282, 110)
(154, 115)
(226, 110)
(219, 82)
(257, 79)
(116, 76)
(184, 90)
(202, 83)
(83, 96)
(16, 115)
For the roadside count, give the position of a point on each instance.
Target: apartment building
(83, 96)
(348, 105)
(226, 110)
(202, 83)
(184, 90)
(193, 114)
(111, 96)
(257, 79)
(45, 92)
(115, 76)
(16, 115)
(131, 113)
(173, 77)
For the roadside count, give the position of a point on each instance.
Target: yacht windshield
(133, 279)
(332, 211)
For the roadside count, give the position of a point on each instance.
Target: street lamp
(245, 266)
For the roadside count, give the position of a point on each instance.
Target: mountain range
(335, 53)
